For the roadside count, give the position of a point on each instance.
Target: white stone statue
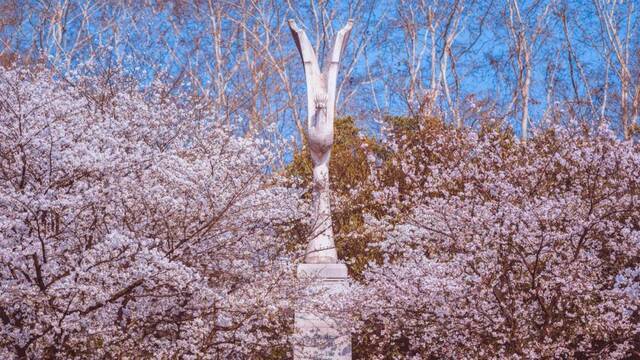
(318, 335)
(321, 100)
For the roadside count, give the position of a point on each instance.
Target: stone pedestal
(317, 335)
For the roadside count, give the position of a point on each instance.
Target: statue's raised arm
(308, 55)
(340, 43)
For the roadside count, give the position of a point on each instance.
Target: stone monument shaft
(321, 100)
(318, 335)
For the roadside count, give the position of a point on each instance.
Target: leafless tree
(518, 61)
(526, 28)
(618, 22)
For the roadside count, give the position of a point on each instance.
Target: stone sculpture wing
(341, 42)
(305, 49)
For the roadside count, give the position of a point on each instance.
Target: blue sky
(147, 41)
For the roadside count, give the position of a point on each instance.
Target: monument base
(317, 336)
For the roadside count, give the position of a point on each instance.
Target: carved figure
(321, 99)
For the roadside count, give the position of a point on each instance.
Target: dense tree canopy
(155, 183)
(131, 228)
(508, 250)
(134, 226)
(468, 243)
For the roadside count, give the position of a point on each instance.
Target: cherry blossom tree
(131, 226)
(508, 250)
